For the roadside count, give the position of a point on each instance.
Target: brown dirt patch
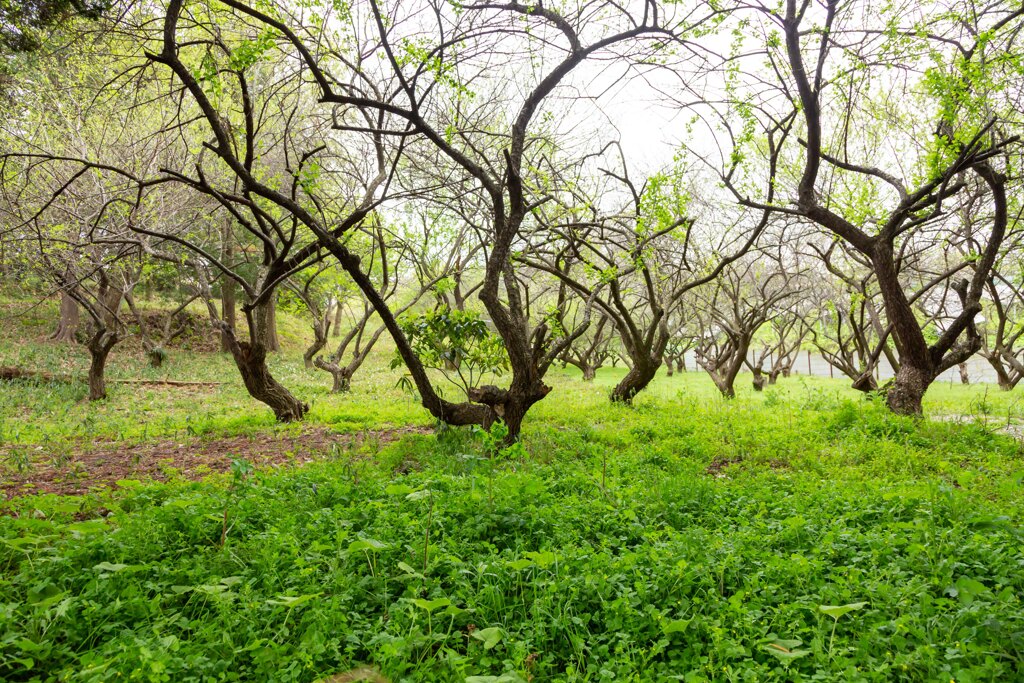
(104, 465)
(719, 464)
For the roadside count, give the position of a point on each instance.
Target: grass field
(800, 534)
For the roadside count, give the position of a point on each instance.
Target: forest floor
(802, 533)
(76, 471)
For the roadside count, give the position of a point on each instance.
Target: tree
(781, 347)
(733, 308)
(387, 256)
(426, 96)
(636, 264)
(77, 251)
(831, 72)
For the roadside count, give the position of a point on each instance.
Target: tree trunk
(342, 381)
(635, 381)
(865, 382)
(668, 367)
(964, 377)
(228, 288)
(342, 375)
(99, 348)
(266, 324)
(759, 380)
(67, 326)
(589, 372)
(1002, 377)
(319, 343)
(227, 312)
(156, 357)
(907, 390)
(251, 360)
(725, 386)
(337, 320)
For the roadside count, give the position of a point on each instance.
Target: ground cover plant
(802, 533)
(430, 340)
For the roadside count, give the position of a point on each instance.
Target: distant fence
(978, 369)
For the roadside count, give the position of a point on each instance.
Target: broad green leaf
(675, 626)
(367, 544)
(836, 611)
(291, 601)
(542, 559)
(489, 636)
(431, 605)
(786, 650)
(398, 490)
(92, 526)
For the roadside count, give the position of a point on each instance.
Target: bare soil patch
(103, 465)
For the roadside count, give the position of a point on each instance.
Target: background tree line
(449, 177)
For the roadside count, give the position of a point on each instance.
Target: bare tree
(411, 103)
(822, 59)
(638, 262)
(733, 308)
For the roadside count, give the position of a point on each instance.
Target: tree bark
(67, 326)
(342, 375)
(589, 373)
(319, 343)
(635, 381)
(759, 380)
(336, 332)
(99, 348)
(964, 377)
(865, 382)
(228, 289)
(227, 312)
(907, 391)
(1002, 376)
(251, 360)
(266, 324)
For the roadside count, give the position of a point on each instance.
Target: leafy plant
(457, 343)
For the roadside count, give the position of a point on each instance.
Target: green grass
(613, 546)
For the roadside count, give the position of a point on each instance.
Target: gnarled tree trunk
(251, 360)
(99, 347)
(865, 382)
(635, 381)
(342, 375)
(266, 324)
(67, 325)
(318, 344)
(907, 390)
(759, 379)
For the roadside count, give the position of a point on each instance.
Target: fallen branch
(10, 373)
(168, 382)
